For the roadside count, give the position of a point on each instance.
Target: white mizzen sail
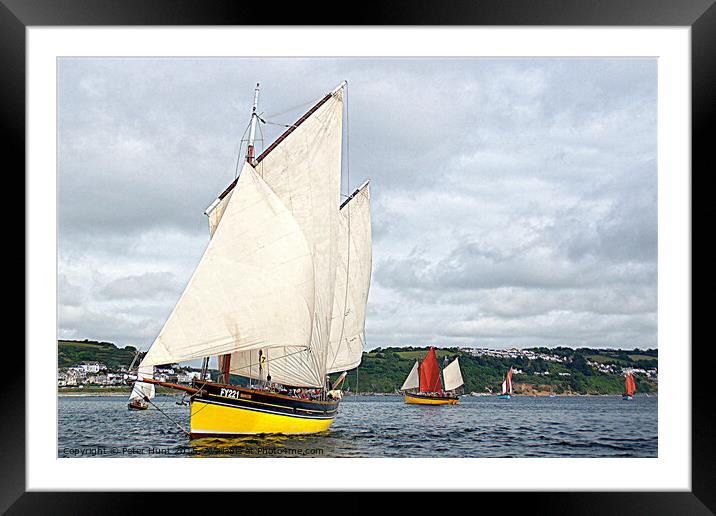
(452, 376)
(253, 288)
(413, 380)
(352, 283)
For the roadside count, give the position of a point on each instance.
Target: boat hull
(626, 397)
(417, 399)
(504, 396)
(226, 410)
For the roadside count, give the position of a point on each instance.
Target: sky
(514, 201)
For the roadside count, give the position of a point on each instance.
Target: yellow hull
(211, 419)
(426, 400)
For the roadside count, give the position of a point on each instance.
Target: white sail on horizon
(452, 375)
(141, 390)
(413, 379)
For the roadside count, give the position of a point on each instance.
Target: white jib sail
(304, 171)
(504, 387)
(452, 376)
(254, 285)
(413, 380)
(140, 390)
(353, 272)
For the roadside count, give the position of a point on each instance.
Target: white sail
(142, 390)
(304, 171)
(216, 211)
(452, 376)
(413, 380)
(254, 285)
(504, 387)
(353, 272)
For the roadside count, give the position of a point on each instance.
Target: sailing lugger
(507, 386)
(630, 387)
(423, 385)
(280, 293)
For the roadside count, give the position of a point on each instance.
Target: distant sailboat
(140, 391)
(507, 386)
(423, 385)
(630, 387)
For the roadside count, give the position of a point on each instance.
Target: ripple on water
(384, 426)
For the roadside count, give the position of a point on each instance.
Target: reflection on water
(604, 426)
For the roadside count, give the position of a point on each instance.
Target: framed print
(450, 241)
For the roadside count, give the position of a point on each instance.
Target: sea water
(378, 426)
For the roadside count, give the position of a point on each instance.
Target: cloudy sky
(514, 201)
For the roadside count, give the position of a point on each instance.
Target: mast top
(341, 85)
(252, 132)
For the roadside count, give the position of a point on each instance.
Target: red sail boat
(630, 387)
(507, 386)
(425, 378)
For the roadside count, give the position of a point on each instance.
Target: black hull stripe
(328, 415)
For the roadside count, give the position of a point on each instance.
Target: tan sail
(352, 285)
(258, 256)
(303, 169)
(452, 376)
(413, 380)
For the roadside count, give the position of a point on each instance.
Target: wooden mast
(225, 360)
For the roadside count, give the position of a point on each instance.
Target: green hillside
(72, 352)
(584, 371)
(384, 370)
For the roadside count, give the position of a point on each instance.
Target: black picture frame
(700, 15)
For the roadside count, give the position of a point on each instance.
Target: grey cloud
(140, 286)
(514, 200)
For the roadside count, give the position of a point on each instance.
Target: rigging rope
(294, 108)
(269, 122)
(147, 399)
(241, 146)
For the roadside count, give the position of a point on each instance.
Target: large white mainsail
(413, 379)
(303, 169)
(253, 288)
(352, 283)
(452, 376)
